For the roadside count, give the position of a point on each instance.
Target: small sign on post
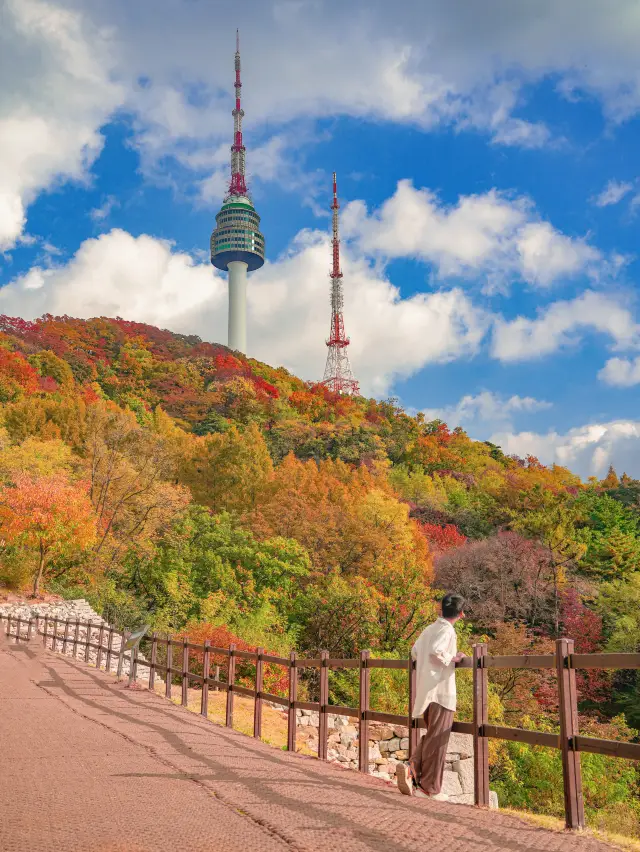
(132, 644)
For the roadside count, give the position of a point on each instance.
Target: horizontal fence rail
(64, 636)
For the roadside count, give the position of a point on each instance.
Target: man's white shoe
(405, 783)
(439, 797)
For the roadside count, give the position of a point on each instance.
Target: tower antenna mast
(337, 372)
(237, 246)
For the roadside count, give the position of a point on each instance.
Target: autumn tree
(506, 577)
(48, 517)
(130, 487)
(228, 471)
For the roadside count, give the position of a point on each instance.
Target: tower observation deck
(237, 245)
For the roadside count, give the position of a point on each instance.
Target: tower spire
(337, 373)
(237, 246)
(238, 184)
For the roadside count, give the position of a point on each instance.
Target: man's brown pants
(427, 762)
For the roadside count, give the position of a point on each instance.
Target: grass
(554, 824)
(274, 722)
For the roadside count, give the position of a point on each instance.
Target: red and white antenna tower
(238, 151)
(337, 373)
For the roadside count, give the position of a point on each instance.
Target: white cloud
(55, 92)
(99, 214)
(613, 193)
(486, 408)
(490, 235)
(622, 372)
(586, 450)
(143, 279)
(69, 64)
(561, 325)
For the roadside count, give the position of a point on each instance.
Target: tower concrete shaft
(337, 372)
(238, 305)
(237, 245)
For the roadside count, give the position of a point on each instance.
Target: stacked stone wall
(389, 746)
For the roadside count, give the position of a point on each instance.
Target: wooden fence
(58, 635)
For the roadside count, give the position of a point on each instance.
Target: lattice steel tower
(337, 374)
(237, 246)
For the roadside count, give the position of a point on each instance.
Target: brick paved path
(86, 764)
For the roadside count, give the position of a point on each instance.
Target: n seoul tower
(237, 246)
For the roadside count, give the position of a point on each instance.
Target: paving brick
(87, 764)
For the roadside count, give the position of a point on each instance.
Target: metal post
(132, 666)
(293, 697)
(363, 736)
(257, 706)
(204, 698)
(568, 706)
(324, 702)
(480, 719)
(230, 679)
(154, 657)
(185, 671)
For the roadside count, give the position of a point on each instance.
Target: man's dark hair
(452, 605)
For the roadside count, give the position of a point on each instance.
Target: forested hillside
(173, 482)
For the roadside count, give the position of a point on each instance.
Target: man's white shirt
(434, 651)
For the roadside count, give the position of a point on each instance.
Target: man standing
(436, 655)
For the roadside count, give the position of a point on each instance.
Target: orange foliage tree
(48, 516)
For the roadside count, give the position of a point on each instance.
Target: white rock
(464, 768)
(451, 784)
(461, 744)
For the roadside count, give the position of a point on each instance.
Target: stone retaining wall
(82, 611)
(388, 746)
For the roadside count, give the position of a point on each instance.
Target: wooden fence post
(123, 639)
(18, 630)
(167, 683)
(88, 642)
(414, 732)
(324, 706)
(230, 679)
(363, 735)
(100, 641)
(55, 633)
(257, 707)
(293, 697)
(30, 628)
(152, 662)
(76, 638)
(65, 640)
(480, 719)
(46, 630)
(568, 706)
(216, 676)
(204, 698)
(185, 671)
(109, 649)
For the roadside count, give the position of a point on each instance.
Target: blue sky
(488, 174)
